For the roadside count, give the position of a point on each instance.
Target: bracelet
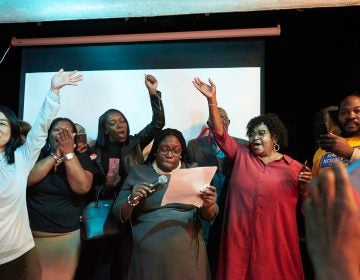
(212, 104)
(68, 156)
(205, 207)
(58, 160)
(132, 202)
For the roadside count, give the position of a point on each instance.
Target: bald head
(80, 128)
(224, 117)
(349, 116)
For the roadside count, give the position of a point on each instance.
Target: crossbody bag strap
(97, 195)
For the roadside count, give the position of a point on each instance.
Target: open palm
(61, 79)
(209, 90)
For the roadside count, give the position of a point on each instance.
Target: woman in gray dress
(168, 241)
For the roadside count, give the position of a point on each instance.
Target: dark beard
(347, 134)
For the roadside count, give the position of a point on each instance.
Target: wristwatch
(69, 156)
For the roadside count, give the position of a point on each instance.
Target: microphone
(162, 179)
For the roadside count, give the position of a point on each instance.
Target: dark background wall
(313, 64)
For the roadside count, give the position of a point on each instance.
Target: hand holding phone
(322, 128)
(113, 168)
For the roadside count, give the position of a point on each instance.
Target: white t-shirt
(15, 234)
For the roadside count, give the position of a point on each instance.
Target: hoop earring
(276, 147)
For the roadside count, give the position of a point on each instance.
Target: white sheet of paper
(185, 185)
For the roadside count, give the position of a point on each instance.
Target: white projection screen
(114, 78)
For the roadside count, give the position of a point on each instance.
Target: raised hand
(151, 84)
(207, 90)
(61, 79)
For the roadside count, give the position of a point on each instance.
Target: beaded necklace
(159, 171)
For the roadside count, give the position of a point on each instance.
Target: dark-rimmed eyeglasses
(176, 151)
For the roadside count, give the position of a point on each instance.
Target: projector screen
(114, 78)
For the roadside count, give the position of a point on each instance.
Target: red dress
(260, 236)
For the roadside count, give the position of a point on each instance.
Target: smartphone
(322, 128)
(114, 164)
(81, 138)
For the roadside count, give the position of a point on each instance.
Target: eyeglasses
(261, 133)
(176, 151)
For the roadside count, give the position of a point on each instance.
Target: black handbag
(97, 220)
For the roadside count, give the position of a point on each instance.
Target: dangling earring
(48, 148)
(276, 147)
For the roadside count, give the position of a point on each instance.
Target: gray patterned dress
(168, 241)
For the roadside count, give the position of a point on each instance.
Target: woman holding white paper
(168, 241)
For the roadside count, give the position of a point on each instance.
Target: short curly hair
(276, 127)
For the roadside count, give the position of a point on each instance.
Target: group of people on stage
(246, 227)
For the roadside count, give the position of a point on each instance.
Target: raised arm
(61, 79)
(209, 91)
(151, 84)
(37, 135)
(146, 135)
